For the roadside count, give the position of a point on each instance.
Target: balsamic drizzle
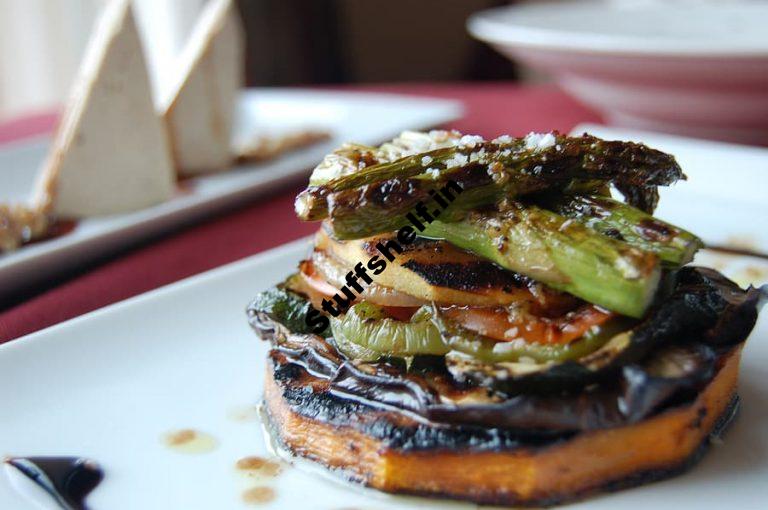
(68, 480)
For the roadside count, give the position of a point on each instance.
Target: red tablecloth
(491, 109)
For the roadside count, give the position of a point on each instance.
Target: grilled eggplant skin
(639, 391)
(391, 451)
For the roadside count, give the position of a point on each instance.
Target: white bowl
(698, 68)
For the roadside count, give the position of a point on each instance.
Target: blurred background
(290, 42)
(692, 67)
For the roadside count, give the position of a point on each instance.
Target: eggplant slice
(703, 306)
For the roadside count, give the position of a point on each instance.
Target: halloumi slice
(111, 153)
(200, 108)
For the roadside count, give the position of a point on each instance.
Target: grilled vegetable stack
(476, 315)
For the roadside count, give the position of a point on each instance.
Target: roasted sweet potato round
(391, 451)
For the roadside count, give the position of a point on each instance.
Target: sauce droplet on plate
(259, 495)
(190, 441)
(67, 480)
(258, 467)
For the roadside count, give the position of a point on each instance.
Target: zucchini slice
(281, 310)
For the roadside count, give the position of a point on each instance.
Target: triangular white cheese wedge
(200, 107)
(111, 153)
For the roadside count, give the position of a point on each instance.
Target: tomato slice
(401, 313)
(315, 281)
(500, 324)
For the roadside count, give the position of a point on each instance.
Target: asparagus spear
(448, 162)
(356, 214)
(560, 252)
(377, 198)
(672, 244)
(352, 158)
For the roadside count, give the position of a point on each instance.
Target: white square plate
(349, 116)
(109, 384)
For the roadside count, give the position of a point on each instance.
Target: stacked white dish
(698, 68)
